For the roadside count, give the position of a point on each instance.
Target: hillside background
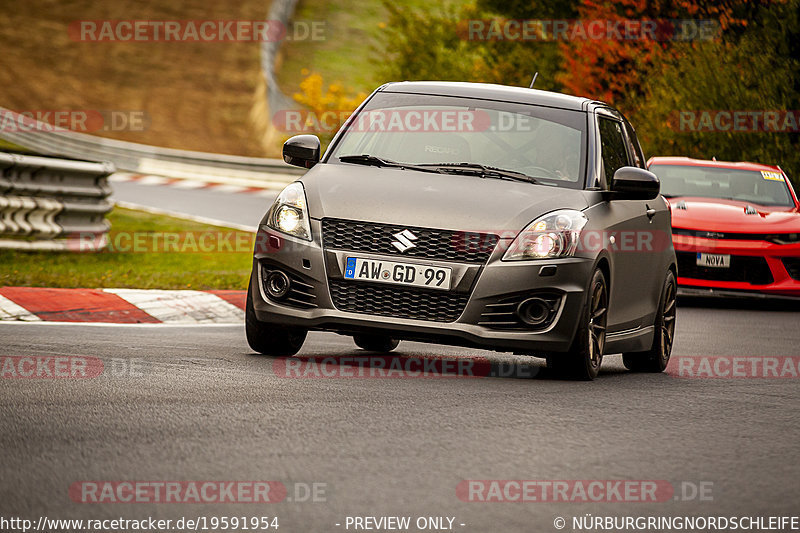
(211, 96)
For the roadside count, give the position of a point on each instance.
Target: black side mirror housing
(302, 151)
(634, 183)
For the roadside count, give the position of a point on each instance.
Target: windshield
(758, 187)
(464, 134)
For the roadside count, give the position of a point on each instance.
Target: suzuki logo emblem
(404, 239)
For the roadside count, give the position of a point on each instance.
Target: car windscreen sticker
(774, 176)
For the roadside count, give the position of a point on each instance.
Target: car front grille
(753, 270)
(400, 302)
(775, 238)
(446, 245)
(792, 265)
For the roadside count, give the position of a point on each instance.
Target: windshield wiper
(483, 171)
(375, 161)
(366, 159)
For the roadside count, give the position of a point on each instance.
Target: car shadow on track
(371, 365)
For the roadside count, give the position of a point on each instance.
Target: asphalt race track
(194, 403)
(235, 208)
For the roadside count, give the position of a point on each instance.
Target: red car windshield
(754, 186)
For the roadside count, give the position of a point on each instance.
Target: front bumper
(482, 284)
(763, 267)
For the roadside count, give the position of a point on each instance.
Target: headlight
(289, 213)
(555, 234)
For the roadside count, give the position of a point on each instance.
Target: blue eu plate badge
(350, 269)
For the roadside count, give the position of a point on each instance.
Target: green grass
(8, 146)
(144, 268)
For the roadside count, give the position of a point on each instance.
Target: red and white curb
(121, 306)
(266, 189)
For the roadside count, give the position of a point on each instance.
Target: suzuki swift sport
(478, 215)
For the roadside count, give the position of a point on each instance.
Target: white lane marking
(227, 188)
(153, 180)
(189, 184)
(184, 216)
(220, 183)
(181, 306)
(123, 176)
(12, 311)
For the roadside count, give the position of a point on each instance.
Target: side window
(633, 144)
(615, 154)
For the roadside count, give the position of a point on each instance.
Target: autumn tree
(615, 69)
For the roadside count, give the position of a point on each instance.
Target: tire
(657, 357)
(376, 343)
(585, 356)
(270, 339)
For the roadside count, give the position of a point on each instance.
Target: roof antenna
(533, 80)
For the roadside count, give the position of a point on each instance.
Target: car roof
(689, 162)
(488, 91)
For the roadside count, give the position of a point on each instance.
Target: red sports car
(735, 226)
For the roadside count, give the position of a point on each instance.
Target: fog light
(534, 311)
(278, 284)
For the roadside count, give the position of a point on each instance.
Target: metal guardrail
(45, 139)
(53, 204)
(183, 164)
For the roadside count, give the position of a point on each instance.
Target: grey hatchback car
(478, 215)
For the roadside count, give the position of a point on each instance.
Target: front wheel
(656, 359)
(583, 360)
(270, 339)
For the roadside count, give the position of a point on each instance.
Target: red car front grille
(754, 270)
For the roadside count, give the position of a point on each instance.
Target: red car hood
(711, 214)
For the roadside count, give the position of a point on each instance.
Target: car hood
(424, 199)
(711, 214)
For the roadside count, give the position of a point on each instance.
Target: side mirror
(633, 183)
(302, 151)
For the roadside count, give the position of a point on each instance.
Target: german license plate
(408, 274)
(714, 260)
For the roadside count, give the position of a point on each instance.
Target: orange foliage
(614, 69)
